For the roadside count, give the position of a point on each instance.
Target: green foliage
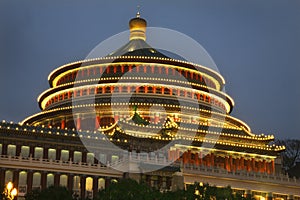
(51, 193)
(128, 189)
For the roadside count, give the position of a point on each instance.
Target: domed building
(139, 113)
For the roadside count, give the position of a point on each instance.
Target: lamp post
(10, 192)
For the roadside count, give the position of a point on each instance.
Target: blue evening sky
(255, 44)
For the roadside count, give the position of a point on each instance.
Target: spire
(138, 14)
(137, 27)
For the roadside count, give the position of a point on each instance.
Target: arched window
(114, 181)
(51, 154)
(25, 151)
(38, 152)
(11, 150)
(89, 184)
(50, 180)
(22, 178)
(36, 180)
(63, 180)
(8, 176)
(101, 183)
(64, 155)
(114, 158)
(90, 158)
(77, 156)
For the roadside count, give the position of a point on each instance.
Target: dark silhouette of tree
(292, 153)
(128, 189)
(51, 193)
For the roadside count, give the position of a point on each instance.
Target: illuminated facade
(113, 99)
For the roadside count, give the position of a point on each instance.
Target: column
(170, 155)
(189, 156)
(208, 164)
(242, 163)
(29, 180)
(264, 166)
(273, 167)
(45, 153)
(97, 122)
(290, 197)
(201, 158)
(253, 164)
(82, 187)
(43, 180)
(230, 163)
(78, 123)
(227, 163)
(31, 150)
(2, 177)
(156, 118)
(63, 124)
(95, 186)
(212, 159)
(71, 154)
(197, 159)
(107, 182)
(18, 150)
(116, 116)
(16, 178)
(56, 179)
(4, 149)
(58, 154)
(70, 182)
(84, 155)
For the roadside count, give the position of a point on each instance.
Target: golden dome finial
(137, 27)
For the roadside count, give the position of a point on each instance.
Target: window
(0, 149)
(63, 181)
(114, 158)
(101, 183)
(38, 152)
(50, 180)
(23, 178)
(64, 155)
(77, 156)
(90, 158)
(89, 184)
(25, 151)
(51, 154)
(11, 150)
(36, 180)
(8, 176)
(102, 158)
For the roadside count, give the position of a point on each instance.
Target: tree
(128, 189)
(291, 155)
(51, 193)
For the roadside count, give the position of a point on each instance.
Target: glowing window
(63, 180)
(50, 180)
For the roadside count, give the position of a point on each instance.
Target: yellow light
(14, 192)
(9, 185)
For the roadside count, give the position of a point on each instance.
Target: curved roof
(137, 47)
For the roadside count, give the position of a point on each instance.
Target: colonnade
(229, 162)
